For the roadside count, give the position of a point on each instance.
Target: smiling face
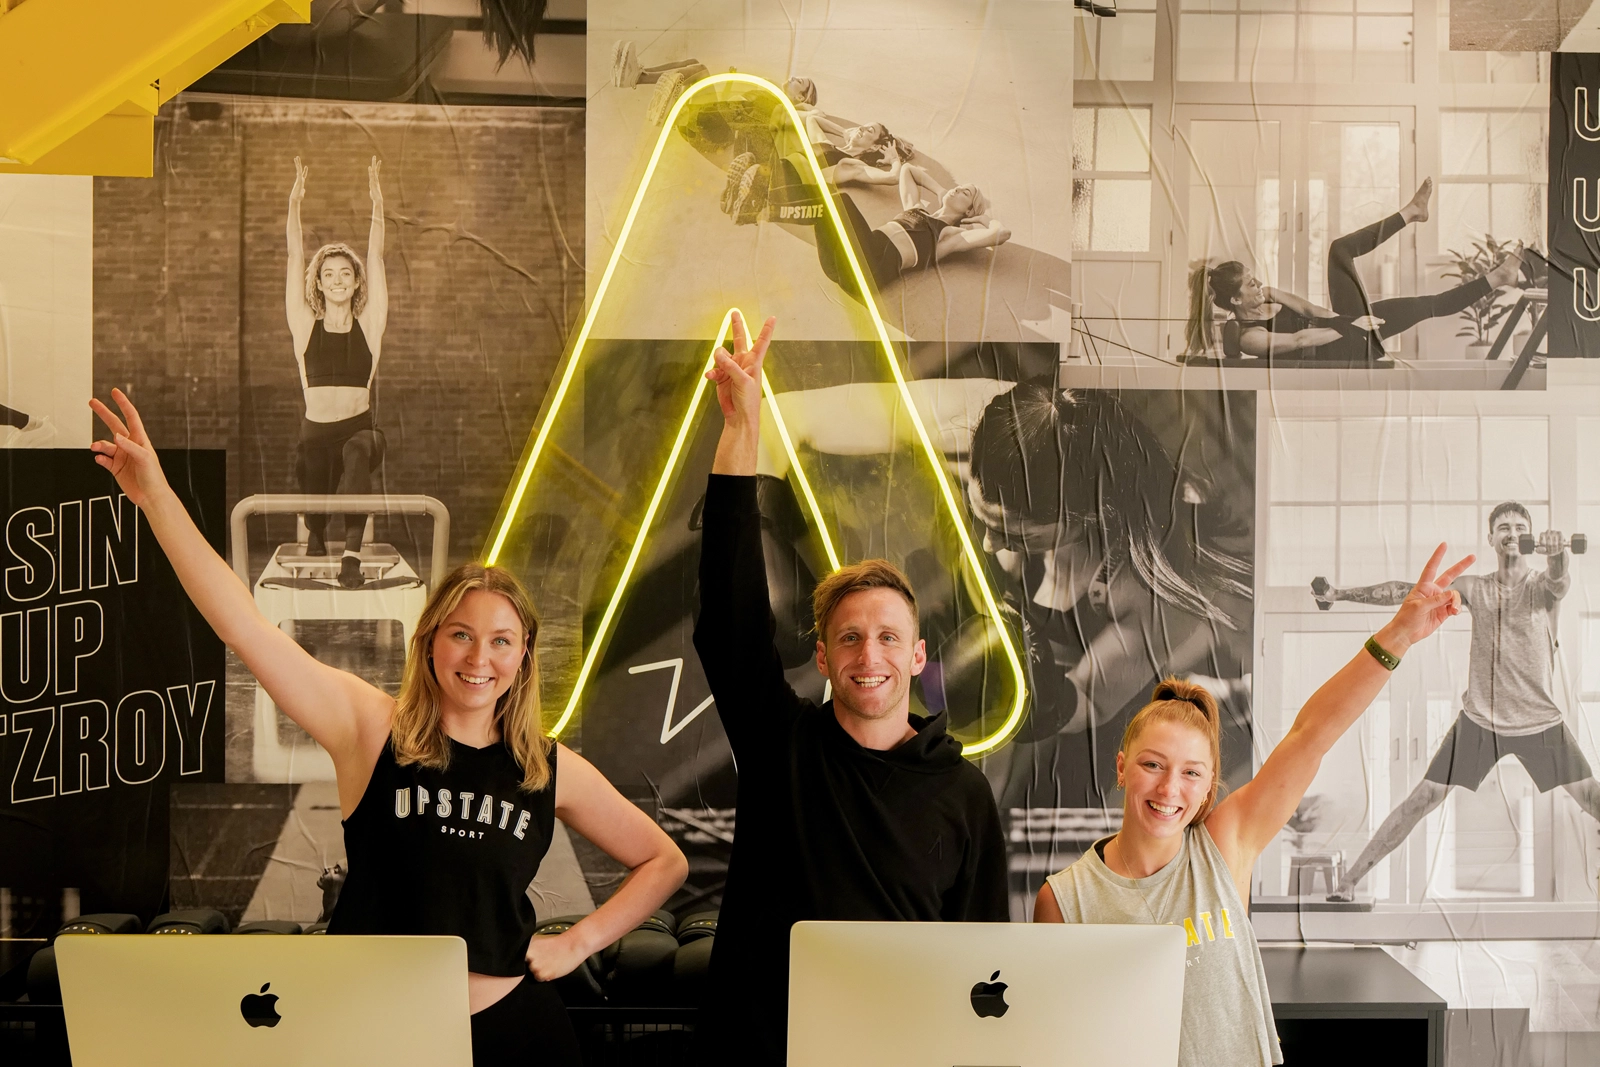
(870, 652)
(337, 280)
(1167, 774)
(859, 139)
(1508, 526)
(958, 201)
(477, 652)
(1250, 294)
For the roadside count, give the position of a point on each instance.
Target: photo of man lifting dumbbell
(1508, 708)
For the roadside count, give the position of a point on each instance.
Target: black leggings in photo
(528, 1027)
(1399, 313)
(338, 457)
(791, 199)
(13, 417)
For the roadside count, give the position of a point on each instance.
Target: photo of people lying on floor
(671, 533)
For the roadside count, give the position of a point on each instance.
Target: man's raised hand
(738, 379)
(738, 375)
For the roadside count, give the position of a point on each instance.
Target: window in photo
(1308, 41)
(1118, 49)
(1110, 179)
(1493, 176)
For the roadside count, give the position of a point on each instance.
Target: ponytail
(1198, 331)
(1190, 704)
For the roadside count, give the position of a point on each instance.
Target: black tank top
(924, 231)
(338, 358)
(449, 852)
(1354, 343)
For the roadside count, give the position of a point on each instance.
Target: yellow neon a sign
(564, 384)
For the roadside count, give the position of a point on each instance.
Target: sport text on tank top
(449, 852)
(1227, 1013)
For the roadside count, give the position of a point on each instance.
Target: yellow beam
(67, 64)
(568, 372)
(118, 146)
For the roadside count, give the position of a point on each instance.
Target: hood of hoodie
(930, 751)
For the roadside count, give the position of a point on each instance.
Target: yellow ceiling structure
(82, 80)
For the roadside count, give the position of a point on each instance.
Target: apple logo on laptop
(260, 1009)
(989, 998)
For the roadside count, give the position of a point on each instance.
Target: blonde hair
(418, 731)
(1189, 704)
(314, 298)
(868, 574)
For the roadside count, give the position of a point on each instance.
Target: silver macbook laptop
(984, 995)
(264, 1001)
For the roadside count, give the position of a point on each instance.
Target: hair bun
(1189, 692)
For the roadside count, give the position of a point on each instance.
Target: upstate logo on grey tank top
(1512, 664)
(1227, 1013)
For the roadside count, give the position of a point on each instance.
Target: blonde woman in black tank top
(448, 793)
(1184, 858)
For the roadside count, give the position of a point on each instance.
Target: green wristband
(1389, 660)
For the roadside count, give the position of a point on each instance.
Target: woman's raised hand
(129, 456)
(1430, 602)
(374, 186)
(297, 192)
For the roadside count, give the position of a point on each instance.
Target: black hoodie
(826, 829)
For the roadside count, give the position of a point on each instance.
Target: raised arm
(1384, 594)
(592, 806)
(295, 308)
(850, 169)
(375, 317)
(1557, 575)
(978, 232)
(1296, 303)
(917, 187)
(342, 713)
(1246, 821)
(735, 630)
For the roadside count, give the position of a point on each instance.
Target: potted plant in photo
(1484, 315)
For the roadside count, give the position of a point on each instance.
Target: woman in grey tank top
(1184, 859)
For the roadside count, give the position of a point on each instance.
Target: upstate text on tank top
(1227, 1013)
(449, 852)
(1511, 668)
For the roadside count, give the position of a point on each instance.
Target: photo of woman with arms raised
(1184, 857)
(449, 792)
(338, 309)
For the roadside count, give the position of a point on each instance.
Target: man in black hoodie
(854, 810)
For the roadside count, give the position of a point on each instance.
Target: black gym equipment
(1579, 543)
(269, 926)
(44, 983)
(190, 921)
(102, 923)
(638, 969)
(1319, 589)
(581, 988)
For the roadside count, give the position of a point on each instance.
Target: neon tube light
(569, 371)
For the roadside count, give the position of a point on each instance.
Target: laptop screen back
(984, 995)
(264, 1001)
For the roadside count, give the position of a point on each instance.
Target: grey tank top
(1227, 1013)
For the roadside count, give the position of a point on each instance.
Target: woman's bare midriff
(485, 990)
(335, 403)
